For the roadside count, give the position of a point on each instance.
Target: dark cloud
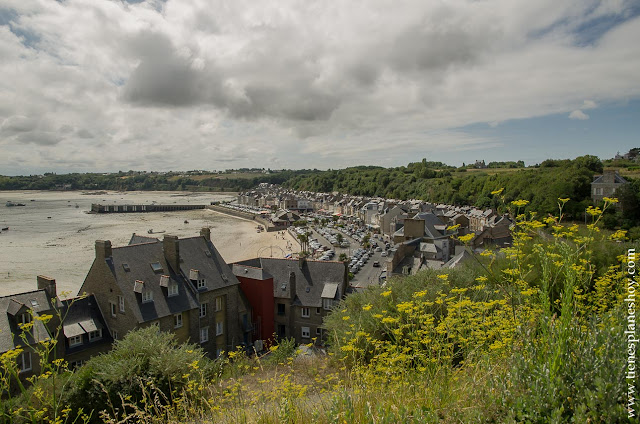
(18, 124)
(42, 138)
(84, 133)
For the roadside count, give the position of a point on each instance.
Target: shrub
(145, 364)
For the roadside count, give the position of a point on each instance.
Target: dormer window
(126, 267)
(75, 341)
(147, 295)
(156, 267)
(24, 318)
(172, 289)
(202, 284)
(95, 335)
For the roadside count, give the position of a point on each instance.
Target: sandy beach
(51, 236)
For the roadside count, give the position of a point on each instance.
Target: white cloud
(201, 84)
(578, 114)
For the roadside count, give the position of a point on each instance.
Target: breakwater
(98, 208)
(240, 214)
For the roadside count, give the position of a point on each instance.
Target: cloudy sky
(107, 85)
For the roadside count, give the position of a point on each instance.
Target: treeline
(541, 186)
(132, 180)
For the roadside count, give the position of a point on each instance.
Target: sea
(54, 234)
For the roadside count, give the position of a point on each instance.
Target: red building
(257, 286)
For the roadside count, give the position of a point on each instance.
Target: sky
(106, 85)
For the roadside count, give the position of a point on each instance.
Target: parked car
(376, 264)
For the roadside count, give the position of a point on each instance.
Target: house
(284, 219)
(606, 185)
(182, 286)
(302, 294)
(77, 323)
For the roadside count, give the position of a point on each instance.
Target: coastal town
(183, 285)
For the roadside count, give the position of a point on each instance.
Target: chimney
(172, 252)
(47, 284)
(103, 249)
(206, 233)
(292, 284)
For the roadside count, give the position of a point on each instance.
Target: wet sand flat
(51, 236)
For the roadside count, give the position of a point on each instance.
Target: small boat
(10, 203)
(5, 229)
(77, 206)
(150, 231)
(48, 217)
(186, 222)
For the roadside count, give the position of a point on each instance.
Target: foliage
(145, 363)
(39, 397)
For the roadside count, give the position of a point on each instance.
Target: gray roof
(457, 259)
(240, 270)
(38, 302)
(310, 280)
(82, 315)
(139, 258)
(617, 179)
(200, 255)
(138, 239)
(433, 226)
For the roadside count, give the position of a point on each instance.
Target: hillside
(534, 333)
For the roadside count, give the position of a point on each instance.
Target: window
(203, 309)
(121, 303)
(219, 328)
(218, 304)
(318, 310)
(327, 304)
(24, 361)
(126, 267)
(219, 352)
(112, 306)
(76, 364)
(173, 289)
(95, 335)
(318, 331)
(306, 333)
(306, 312)
(281, 309)
(202, 284)
(114, 333)
(177, 320)
(147, 296)
(75, 341)
(25, 318)
(156, 267)
(204, 334)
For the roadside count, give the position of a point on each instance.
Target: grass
(531, 333)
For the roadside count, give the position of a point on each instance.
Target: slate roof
(82, 315)
(617, 180)
(138, 239)
(433, 226)
(251, 272)
(310, 280)
(38, 301)
(196, 253)
(457, 259)
(139, 258)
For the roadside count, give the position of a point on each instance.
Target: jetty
(99, 208)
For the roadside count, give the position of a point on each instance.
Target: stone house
(77, 322)
(304, 292)
(606, 185)
(182, 286)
